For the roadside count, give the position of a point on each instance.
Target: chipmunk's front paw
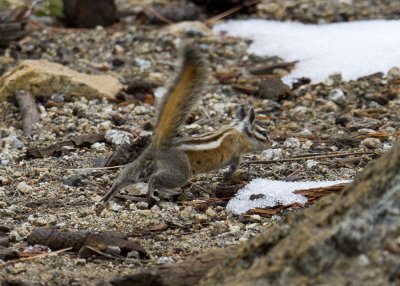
(153, 200)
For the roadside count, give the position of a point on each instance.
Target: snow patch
(354, 49)
(261, 193)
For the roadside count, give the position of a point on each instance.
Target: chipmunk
(168, 162)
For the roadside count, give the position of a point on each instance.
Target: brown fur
(180, 97)
(234, 145)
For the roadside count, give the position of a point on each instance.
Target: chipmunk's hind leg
(173, 171)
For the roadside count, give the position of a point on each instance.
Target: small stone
(118, 137)
(393, 73)
(371, 143)
(337, 96)
(8, 254)
(113, 250)
(116, 207)
(140, 110)
(133, 254)
(292, 143)
(270, 105)
(142, 205)
(363, 260)
(5, 158)
(234, 229)
(74, 180)
(24, 229)
(98, 147)
(138, 189)
(142, 63)
(105, 125)
(165, 260)
(272, 154)
(24, 187)
(311, 163)
(155, 209)
(211, 213)
(4, 181)
(273, 88)
(200, 217)
(330, 106)
(16, 143)
(80, 261)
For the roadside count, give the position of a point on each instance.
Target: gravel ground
(59, 192)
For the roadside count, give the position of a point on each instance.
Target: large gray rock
(348, 239)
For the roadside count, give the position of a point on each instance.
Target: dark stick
(28, 110)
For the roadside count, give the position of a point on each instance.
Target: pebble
(330, 106)
(16, 143)
(133, 254)
(165, 260)
(234, 229)
(393, 73)
(105, 125)
(363, 260)
(211, 213)
(24, 229)
(113, 250)
(307, 145)
(5, 158)
(337, 96)
(292, 143)
(24, 187)
(140, 110)
(118, 137)
(4, 181)
(142, 63)
(98, 147)
(74, 180)
(272, 154)
(116, 207)
(270, 105)
(142, 205)
(371, 143)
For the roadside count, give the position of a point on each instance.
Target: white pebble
(337, 96)
(292, 143)
(272, 154)
(371, 143)
(24, 187)
(311, 163)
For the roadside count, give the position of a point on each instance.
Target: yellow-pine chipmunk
(168, 162)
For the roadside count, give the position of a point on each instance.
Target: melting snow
(354, 49)
(261, 193)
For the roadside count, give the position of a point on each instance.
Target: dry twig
(311, 157)
(36, 256)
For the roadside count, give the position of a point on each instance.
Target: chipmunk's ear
(251, 116)
(240, 113)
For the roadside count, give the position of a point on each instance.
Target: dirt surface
(59, 191)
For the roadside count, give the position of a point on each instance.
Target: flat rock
(41, 77)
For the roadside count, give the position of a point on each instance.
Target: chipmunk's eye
(263, 132)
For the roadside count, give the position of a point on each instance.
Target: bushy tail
(181, 95)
